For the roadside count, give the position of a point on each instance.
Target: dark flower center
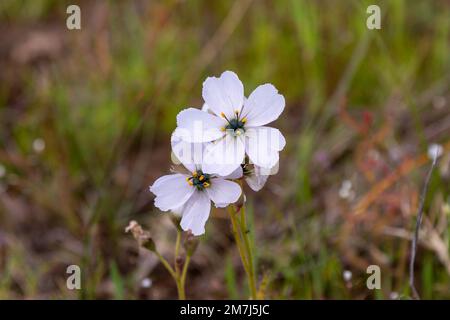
(199, 180)
(235, 124)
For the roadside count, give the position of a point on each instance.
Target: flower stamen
(235, 124)
(199, 180)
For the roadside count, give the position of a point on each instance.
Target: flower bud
(150, 245)
(142, 236)
(190, 243)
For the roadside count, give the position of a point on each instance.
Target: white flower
(235, 125)
(255, 176)
(190, 195)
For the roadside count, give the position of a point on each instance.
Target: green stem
(241, 235)
(178, 275)
(245, 233)
(179, 278)
(177, 251)
(237, 237)
(184, 273)
(180, 289)
(166, 265)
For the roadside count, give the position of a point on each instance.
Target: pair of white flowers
(226, 140)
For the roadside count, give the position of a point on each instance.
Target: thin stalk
(180, 289)
(415, 239)
(251, 268)
(244, 249)
(177, 276)
(177, 251)
(166, 265)
(184, 273)
(237, 237)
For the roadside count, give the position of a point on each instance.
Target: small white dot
(347, 275)
(346, 192)
(38, 145)
(146, 283)
(394, 295)
(347, 184)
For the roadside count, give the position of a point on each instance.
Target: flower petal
(223, 192)
(196, 213)
(257, 179)
(224, 94)
(256, 183)
(224, 156)
(263, 144)
(205, 108)
(195, 125)
(236, 174)
(189, 154)
(171, 191)
(263, 106)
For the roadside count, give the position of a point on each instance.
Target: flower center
(199, 180)
(235, 124)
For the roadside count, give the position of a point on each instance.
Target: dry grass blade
(418, 223)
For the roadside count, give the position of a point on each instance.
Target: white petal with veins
(224, 156)
(189, 154)
(236, 174)
(256, 180)
(196, 213)
(224, 94)
(171, 191)
(195, 125)
(263, 106)
(223, 192)
(263, 144)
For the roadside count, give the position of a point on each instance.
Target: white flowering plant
(218, 147)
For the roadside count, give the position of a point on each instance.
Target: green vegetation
(86, 117)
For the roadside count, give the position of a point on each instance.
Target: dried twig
(418, 223)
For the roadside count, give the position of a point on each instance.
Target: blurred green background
(86, 117)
